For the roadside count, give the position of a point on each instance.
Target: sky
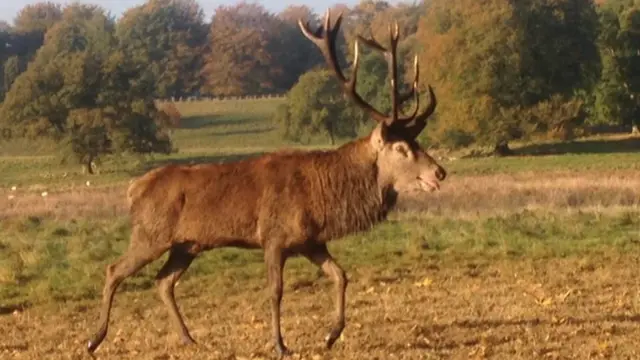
(9, 8)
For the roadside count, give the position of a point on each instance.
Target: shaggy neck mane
(347, 178)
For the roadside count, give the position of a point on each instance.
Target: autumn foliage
(499, 76)
(503, 70)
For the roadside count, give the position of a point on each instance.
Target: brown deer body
(285, 203)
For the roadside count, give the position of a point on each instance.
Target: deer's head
(402, 163)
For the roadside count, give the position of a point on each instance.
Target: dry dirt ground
(469, 309)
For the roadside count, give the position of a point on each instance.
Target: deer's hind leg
(142, 250)
(320, 256)
(180, 257)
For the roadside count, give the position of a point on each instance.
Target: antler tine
(403, 122)
(413, 128)
(371, 41)
(391, 58)
(327, 46)
(325, 43)
(413, 92)
(351, 85)
(412, 125)
(396, 36)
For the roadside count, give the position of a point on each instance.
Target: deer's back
(241, 204)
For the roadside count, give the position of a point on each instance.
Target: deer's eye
(401, 149)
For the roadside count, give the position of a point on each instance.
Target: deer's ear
(379, 137)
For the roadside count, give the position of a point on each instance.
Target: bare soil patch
(573, 308)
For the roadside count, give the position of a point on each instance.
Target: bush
(456, 138)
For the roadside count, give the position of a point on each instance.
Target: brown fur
(286, 203)
(291, 198)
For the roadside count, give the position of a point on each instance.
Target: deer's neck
(353, 199)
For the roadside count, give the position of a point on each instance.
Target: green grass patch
(567, 162)
(228, 130)
(44, 260)
(261, 106)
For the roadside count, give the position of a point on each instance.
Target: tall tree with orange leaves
(241, 51)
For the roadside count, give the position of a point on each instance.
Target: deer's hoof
(333, 336)
(91, 347)
(187, 341)
(282, 351)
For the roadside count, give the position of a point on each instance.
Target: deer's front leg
(275, 259)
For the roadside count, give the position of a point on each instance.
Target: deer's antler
(408, 127)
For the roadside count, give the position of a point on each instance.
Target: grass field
(531, 256)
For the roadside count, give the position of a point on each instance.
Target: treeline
(77, 75)
(502, 70)
(509, 69)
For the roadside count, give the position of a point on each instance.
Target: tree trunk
(89, 165)
(333, 141)
(635, 130)
(329, 127)
(502, 149)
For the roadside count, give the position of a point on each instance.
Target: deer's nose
(441, 173)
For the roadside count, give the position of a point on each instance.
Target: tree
(5, 52)
(560, 53)
(243, 38)
(292, 13)
(618, 91)
(11, 70)
(471, 53)
(561, 62)
(88, 135)
(363, 17)
(30, 26)
(498, 65)
(373, 18)
(64, 74)
(315, 106)
(165, 40)
(9, 60)
(5, 43)
(78, 90)
(38, 17)
(4, 26)
(305, 57)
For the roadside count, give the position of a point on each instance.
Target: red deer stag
(285, 203)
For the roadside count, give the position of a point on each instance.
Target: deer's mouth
(428, 185)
